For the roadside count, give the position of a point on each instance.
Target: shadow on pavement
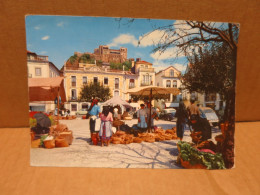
(84, 139)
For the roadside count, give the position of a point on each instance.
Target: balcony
(72, 99)
(38, 58)
(146, 83)
(131, 86)
(146, 69)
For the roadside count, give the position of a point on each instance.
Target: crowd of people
(194, 117)
(102, 121)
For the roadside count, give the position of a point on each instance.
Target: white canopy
(116, 100)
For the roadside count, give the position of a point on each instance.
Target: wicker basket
(49, 144)
(61, 142)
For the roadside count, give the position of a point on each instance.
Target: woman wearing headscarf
(94, 112)
(182, 116)
(105, 132)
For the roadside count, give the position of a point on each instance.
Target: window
(157, 84)
(38, 71)
(84, 106)
(172, 73)
(131, 83)
(168, 83)
(73, 107)
(85, 81)
(116, 83)
(105, 81)
(174, 83)
(116, 93)
(73, 94)
(95, 80)
(73, 81)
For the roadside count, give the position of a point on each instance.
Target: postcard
(131, 93)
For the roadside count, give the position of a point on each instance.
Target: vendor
(94, 112)
(142, 118)
(153, 115)
(126, 113)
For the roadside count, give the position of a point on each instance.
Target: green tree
(84, 58)
(96, 90)
(119, 66)
(73, 58)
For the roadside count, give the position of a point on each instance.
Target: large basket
(61, 142)
(49, 144)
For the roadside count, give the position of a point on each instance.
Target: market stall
(56, 135)
(151, 92)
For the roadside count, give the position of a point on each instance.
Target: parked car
(167, 114)
(210, 115)
(82, 111)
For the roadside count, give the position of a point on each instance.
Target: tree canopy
(119, 66)
(92, 90)
(211, 70)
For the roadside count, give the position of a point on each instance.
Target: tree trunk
(228, 144)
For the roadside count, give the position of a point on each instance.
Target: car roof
(205, 108)
(169, 109)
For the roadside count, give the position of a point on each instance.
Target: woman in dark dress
(182, 116)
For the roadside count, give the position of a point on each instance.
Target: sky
(60, 36)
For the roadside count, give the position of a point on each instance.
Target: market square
(147, 94)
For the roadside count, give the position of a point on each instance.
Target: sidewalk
(83, 154)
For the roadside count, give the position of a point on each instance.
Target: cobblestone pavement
(135, 155)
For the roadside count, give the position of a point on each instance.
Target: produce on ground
(193, 158)
(207, 145)
(59, 136)
(121, 137)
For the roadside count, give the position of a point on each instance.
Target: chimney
(138, 59)
(133, 63)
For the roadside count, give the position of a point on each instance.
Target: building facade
(145, 71)
(169, 77)
(105, 54)
(118, 81)
(39, 66)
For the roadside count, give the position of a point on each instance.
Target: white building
(39, 66)
(169, 77)
(145, 72)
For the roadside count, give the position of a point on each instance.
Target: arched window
(174, 83)
(168, 83)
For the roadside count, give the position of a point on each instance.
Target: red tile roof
(143, 62)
